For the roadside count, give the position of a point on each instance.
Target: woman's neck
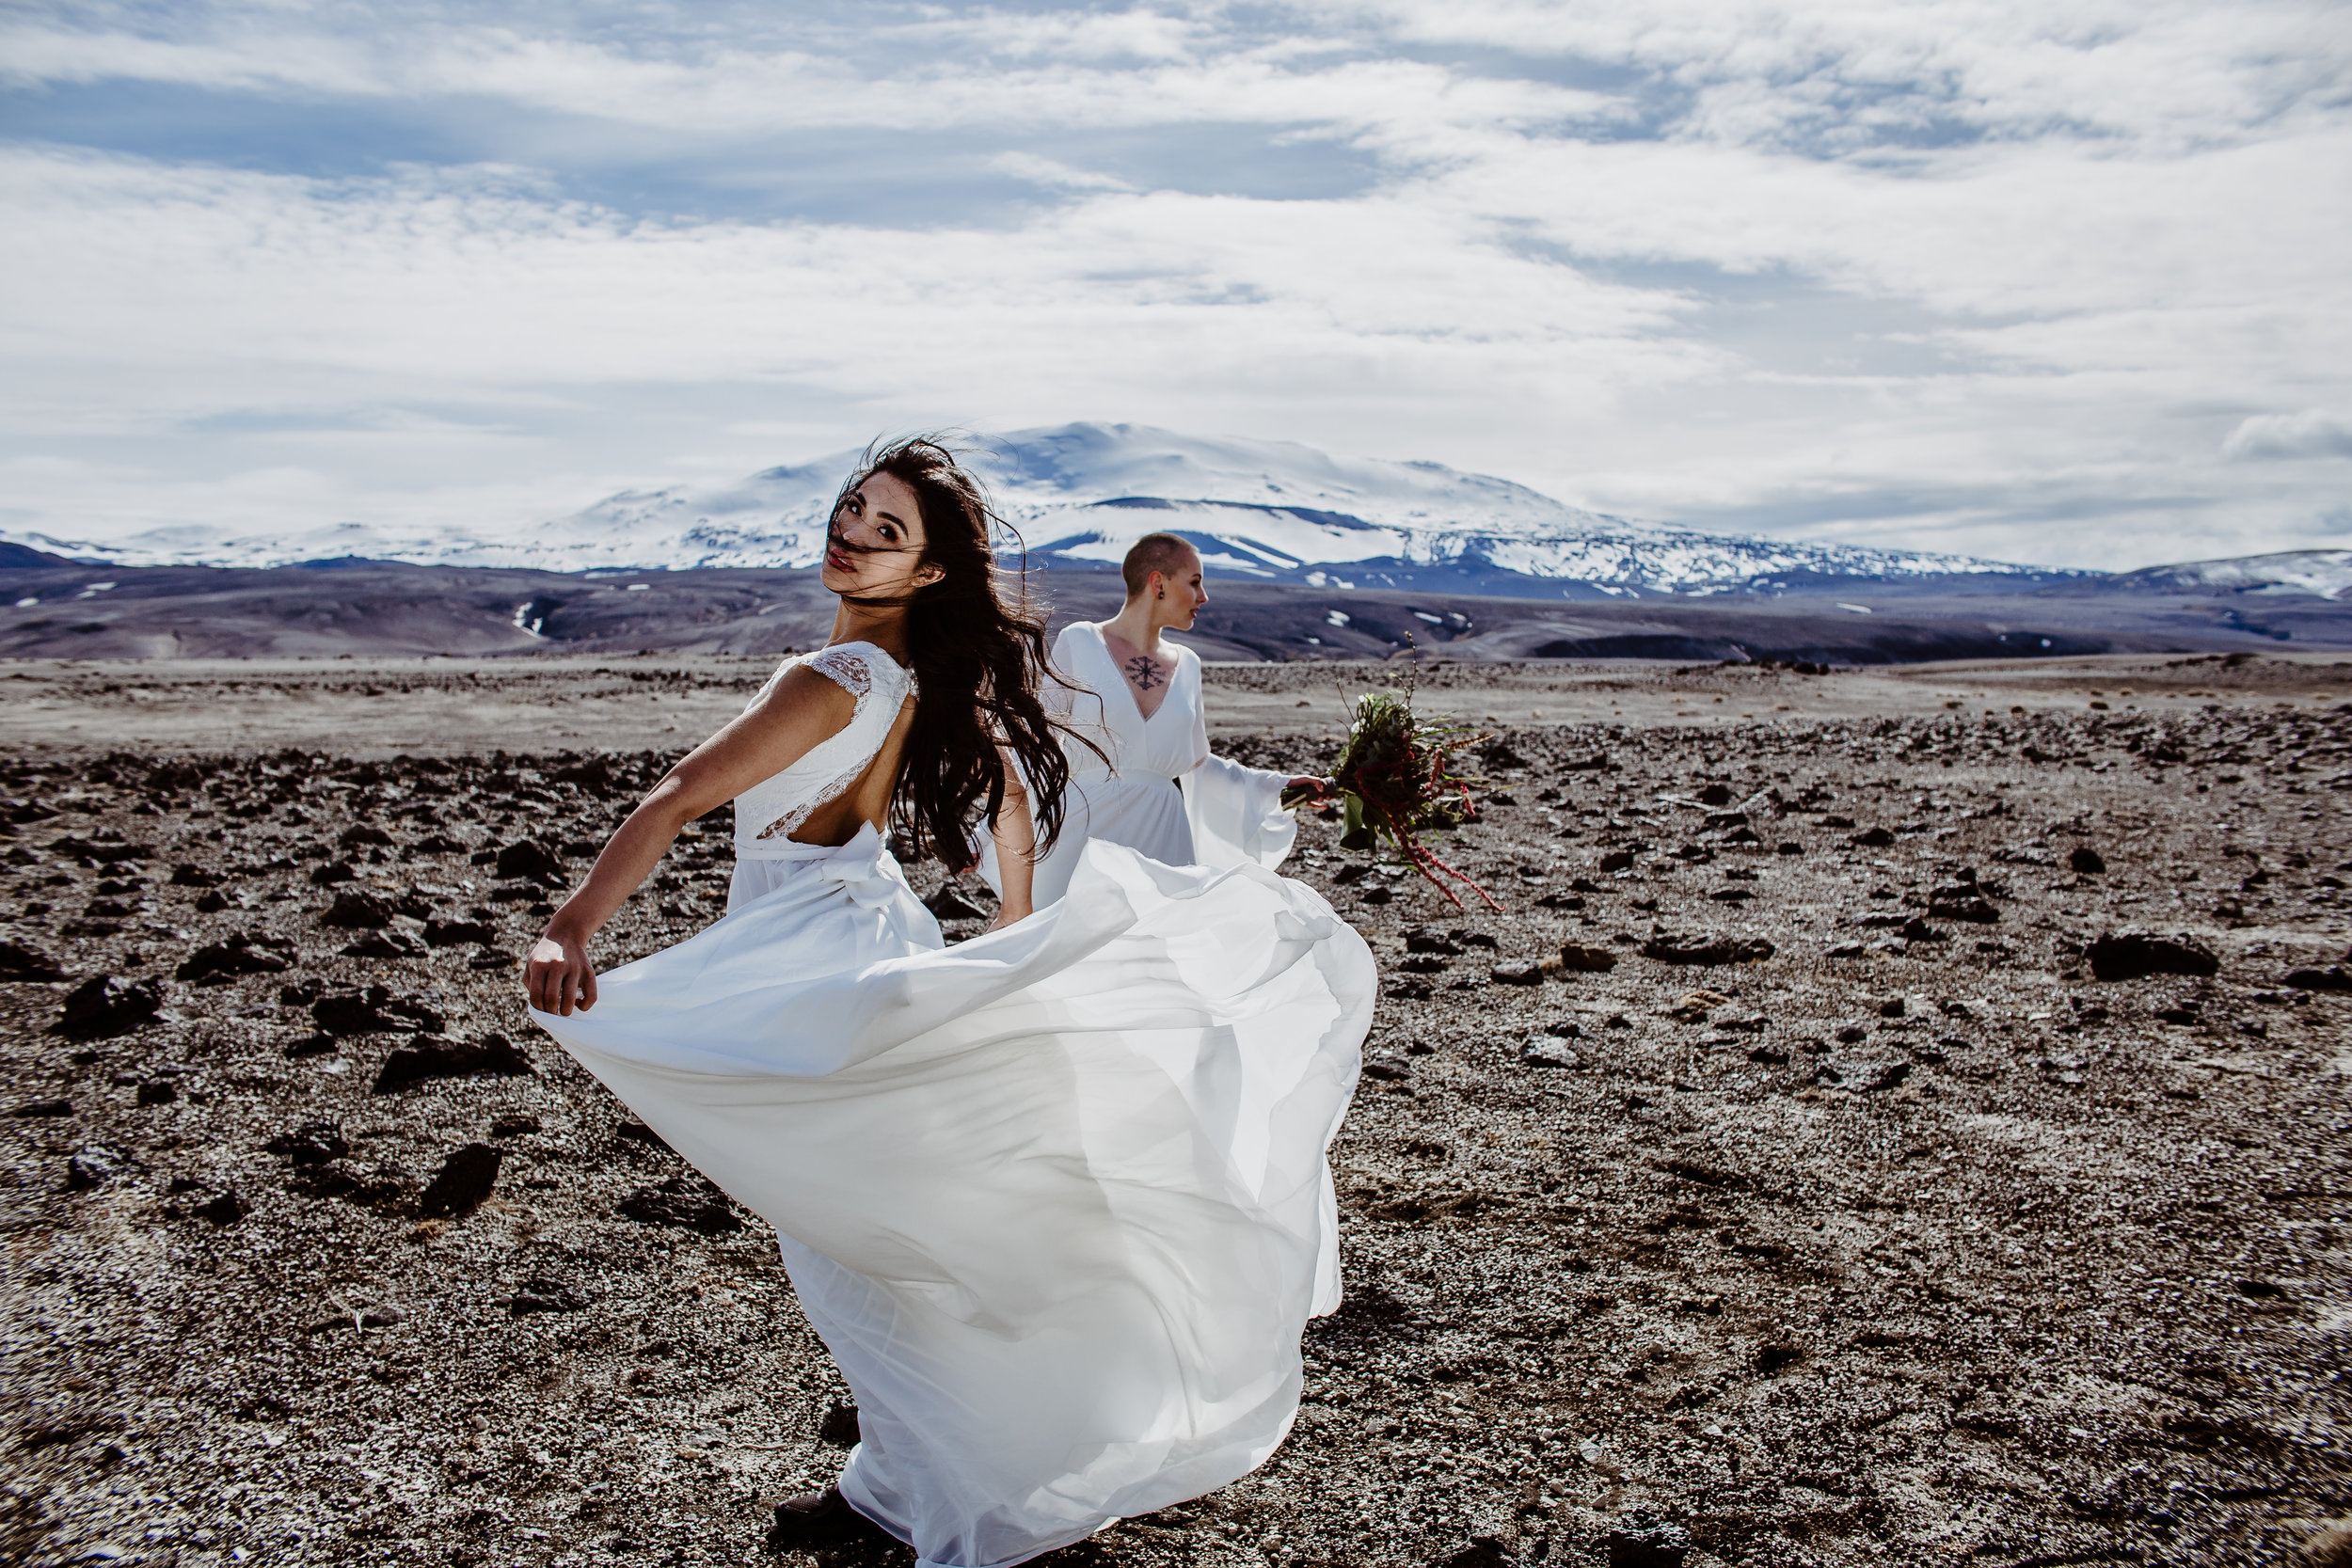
(1136, 626)
(886, 629)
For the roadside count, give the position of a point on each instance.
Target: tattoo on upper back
(1145, 672)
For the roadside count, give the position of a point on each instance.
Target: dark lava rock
(513, 1124)
(1766, 1056)
(1579, 958)
(358, 912)
(188, 874)
(96, 1166)
(456, 933)
(1715, 795)
(2334, 977)
(839, 1428)
(1387, 1068)
(1774, 1357)
(103, 1007)
(211, 903)
(949, 903)
(1408, 988)
(158, 1092)
(540, 1294)
(423, 1059)
(682, 1203)
(1962, 902)
(1569, 901)
(313, 1142)
(1641, 1542)
(463, 1181)
(1428, 939)
(19, 963)
(1919, 930)
(379, 1187)
(638, 1132)
(224, 1207)
(233, 956)
(361, 832)
(313, 1045)
(384, 944)
(1672, 949)
(1617, 859)
(331, 873)
(43, 1108)
(528, 859)
(2128, 955)
(1379, 892)
(1886, 1077)
(373, 1011)
(1872, 838)
(1516, 974)
(2086, 861)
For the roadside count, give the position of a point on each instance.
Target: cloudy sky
(2064, 283)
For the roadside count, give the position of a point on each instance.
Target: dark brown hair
(978, 655)
(1153, 552)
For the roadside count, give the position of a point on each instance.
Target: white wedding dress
(1056, 1197)
(1150, 784)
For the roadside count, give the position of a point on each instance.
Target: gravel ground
(1779, 1177)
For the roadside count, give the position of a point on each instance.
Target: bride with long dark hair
(1055, 1198)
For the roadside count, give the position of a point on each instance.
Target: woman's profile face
(874, 547)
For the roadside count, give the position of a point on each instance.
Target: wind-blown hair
(979, 656)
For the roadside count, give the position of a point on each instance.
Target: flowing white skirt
(1055, 1198)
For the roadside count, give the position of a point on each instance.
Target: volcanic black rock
(463, 1181)
(530, 859)
(358, 912)
(2129, 955)
(949, 903)
(454, 933)
(103, 1007)
(312, 1143)
(1641, 1542)
(539, 1294)
(682, 1203)
(230, 956)
(1694, 949)
(2086, 861)
(19, 963)
(423, 1059)
(384, 944)
(373, 1011)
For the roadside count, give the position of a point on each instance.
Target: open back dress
(1056, 1197)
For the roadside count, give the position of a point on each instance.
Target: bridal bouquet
(1394, 780)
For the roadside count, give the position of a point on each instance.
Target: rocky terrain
(1898, 1117)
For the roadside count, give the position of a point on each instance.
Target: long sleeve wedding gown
(1056, 1197)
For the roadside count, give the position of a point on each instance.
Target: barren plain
(1901, 1116)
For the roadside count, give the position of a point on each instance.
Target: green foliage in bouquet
(1396, 782)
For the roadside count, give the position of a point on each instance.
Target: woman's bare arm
(800, 711)
(1016, 851)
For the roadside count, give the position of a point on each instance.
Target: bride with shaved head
(1055, 1198)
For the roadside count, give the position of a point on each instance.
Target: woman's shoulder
(859, 666)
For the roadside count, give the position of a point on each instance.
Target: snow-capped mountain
(1080, 493)
(2324, 573)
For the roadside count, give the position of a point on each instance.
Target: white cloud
(1967, 274)
(2312, 433)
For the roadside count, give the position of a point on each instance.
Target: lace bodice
(768, 814)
